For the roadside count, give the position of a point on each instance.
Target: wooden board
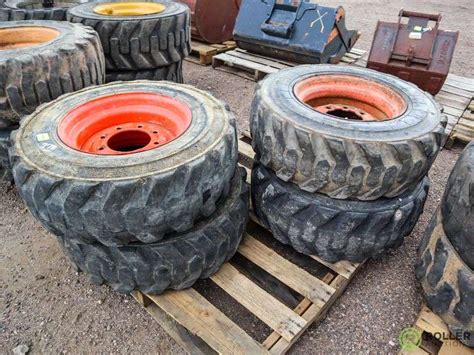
(202, 53)
(275, 285)
(435, 336)
(463, 131)
(256, 67)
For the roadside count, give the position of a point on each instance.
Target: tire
(33, 75)
(175, 263)
(139, 42)
(345, 158)
(172, 72)
(140, 195)
(20, 10)
(332, 229)
(5, 168)
(447, 282)
(458, 206)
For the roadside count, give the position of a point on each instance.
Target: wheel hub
(124, 124)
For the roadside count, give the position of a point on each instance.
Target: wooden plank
(291, 275)
(263, 305)
(456, 101)
(457, 91)
(188, 341)
(465, 82)
(453, 111)
(451, 347)
(344, 268)
(313, 314)
(430, 322)
(246, 150)
(200, 317)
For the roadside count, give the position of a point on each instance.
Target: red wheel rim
(350, 97)
(126, 123)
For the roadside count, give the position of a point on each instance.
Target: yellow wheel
(129, 8)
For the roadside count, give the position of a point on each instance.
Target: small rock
(39, 277)
(21, 349)
(391, 343)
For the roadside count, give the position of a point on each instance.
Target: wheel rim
(129, 9)
(18, 37)
(126, 123)
(350, 98)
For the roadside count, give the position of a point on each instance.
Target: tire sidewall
(420, 117)
(38, 144)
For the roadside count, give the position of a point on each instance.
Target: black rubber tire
(342, 158)
(5, 168)
(20, 10)
(172, 72)
(457, 206)
(121, 199)
(447, 282)
(139, 42)
(175, 263)
(30, 76)
(332, 229)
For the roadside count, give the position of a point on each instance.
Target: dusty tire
(447, 282)
(5, 168)
(69, 59)
(458, 206)
(139, 42)
(345, 158)
(332, 229)
(116, 196)
(174, 263)
(20, 10)
(173, 72)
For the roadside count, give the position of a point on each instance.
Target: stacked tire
(40, 61)
(20, 10)
(141, 40)
(445, 268)
(342, 156)
(138, 181)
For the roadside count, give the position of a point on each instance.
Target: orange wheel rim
(350, 97)
(18, 37)
(126, 123)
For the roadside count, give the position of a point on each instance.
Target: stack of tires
(446, 265)
(342, 156)
(40, 61)
(20, 10)
(141, 40)
(138, 181)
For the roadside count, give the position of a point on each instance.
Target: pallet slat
(200, 317)
(291, 275)
(262, 304)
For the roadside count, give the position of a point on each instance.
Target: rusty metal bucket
(212, 21)
(414, 49)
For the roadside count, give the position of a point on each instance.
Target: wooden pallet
(464, 129)
(202, 53)
(267, 286)
(256, 67)
(436, 337)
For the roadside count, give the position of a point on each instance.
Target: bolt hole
(155, 132)
(102, 137)
(101, 148)
(140, 126)
(156, 143)
(119, 128)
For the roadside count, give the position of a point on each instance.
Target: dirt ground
(50, 308)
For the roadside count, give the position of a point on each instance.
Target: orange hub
(124, 123)
(350, 97)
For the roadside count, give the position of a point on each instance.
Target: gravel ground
(50, 308)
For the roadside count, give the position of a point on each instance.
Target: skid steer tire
(20, 10)
(172, 72)
(5, 168)
(345, 158)
(67, 57)
(176, 262)
(458, 206)
(447, 282)
(139, 42)
(332, 229)
(114, 195)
